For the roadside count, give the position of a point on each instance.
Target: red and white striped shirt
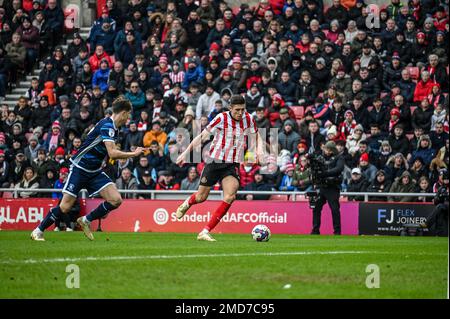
(229, 136)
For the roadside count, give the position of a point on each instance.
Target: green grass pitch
(169, 265)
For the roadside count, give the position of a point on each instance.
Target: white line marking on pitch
(112, 258)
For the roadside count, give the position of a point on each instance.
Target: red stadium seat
(71, 17)
(236, 10)
(414, 72)
(412, 108)
(8, 195)
(298, 111)
(410, 136)
(279, 197)
(299, 198)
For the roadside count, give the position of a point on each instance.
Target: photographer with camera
(438, 219)
(326, 174)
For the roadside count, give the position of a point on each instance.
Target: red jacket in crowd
(422, 90)
(247, 177)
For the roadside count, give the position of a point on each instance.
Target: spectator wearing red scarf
(347, 127)
(394, 119)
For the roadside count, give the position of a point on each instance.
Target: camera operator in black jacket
(438, 219)
(328, 185)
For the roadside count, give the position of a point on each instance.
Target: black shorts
(214, 172)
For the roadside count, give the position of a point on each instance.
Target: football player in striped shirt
(229, 129)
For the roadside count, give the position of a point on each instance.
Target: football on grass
(261, 233)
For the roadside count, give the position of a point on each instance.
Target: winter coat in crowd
(399, 187)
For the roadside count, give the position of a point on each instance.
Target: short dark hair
(237, 99)
(121, 104)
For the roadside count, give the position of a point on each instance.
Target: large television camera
(442, 196)
(317, 164)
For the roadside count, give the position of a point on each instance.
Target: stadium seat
(383, 95)
(71, 17)
(8, 195)
(299, 198)
(414, 72)
(410, 136)
(298, 111)
(412, 108)
(279, 197)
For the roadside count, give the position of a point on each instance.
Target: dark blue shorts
(79, 179)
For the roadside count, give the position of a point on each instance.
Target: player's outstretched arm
(114, 153)
(195, 142)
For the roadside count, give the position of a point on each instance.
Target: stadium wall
(282, 217)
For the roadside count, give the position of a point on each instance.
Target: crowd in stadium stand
(317, 73)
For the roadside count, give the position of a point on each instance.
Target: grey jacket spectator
(288, 138)
(192, 181)
(127, 182)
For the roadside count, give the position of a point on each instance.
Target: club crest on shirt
(111, 132)
(204, 179)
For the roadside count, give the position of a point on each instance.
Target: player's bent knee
(65, 209)
(201, 198)
(230, 198)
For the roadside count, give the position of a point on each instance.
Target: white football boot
(85, 226)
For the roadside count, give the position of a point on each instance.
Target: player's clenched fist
(139, 151)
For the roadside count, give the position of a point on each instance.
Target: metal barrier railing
(181, 194)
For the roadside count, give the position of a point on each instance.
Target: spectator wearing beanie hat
(239, 73)
(54, 137)
(394, 118)
(420, 50)
(286, 183)
(368, 170)
(424, 151)
(392, 72)
(288, 138)
(355, 138)
(248, 169)
(33, 147)
(273, 112)
(347, 127)
(402, 184)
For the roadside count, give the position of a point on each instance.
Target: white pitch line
(113, 258)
